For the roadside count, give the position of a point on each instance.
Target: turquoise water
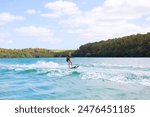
(96, 78)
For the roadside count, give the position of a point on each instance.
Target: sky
(68, 24)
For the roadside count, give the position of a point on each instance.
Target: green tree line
(128, 46)
(32, 53)
(25, 53)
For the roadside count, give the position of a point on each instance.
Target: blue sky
(67, 24)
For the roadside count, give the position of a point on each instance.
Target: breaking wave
(104, 72)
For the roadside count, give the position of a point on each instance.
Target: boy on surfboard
(68, 59)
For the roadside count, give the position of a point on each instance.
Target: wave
(50, 64)
(142, 78)
(37, 65)
(117, 73)
(117, 66)
(26, 71)
(41, 68)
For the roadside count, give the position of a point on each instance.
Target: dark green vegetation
(129, 46)
(32, 53)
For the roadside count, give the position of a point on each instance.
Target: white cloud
(111, 30)
(5, 38)
(148, 18)
(113, 10)
(50, 15)
(40, 33)
(127, 9)
(61, 8)
(7, 17)
(31, 11)
(129, 3)
(114, 18)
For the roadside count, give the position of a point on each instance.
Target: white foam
(43, 64)
(124, 65)
(39, 64)
(145, 82)
(120, 76)
(57, 73)
(114, 75)
(91, 75)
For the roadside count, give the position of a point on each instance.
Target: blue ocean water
(96, 78)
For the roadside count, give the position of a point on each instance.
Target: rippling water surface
(96, 78)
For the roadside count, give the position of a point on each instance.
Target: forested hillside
(128, 46)
(25, 53)
(31, 53)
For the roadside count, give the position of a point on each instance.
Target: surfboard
(74, 67)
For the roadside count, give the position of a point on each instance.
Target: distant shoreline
(128, 46)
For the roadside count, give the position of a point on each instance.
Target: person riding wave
(68, 59)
